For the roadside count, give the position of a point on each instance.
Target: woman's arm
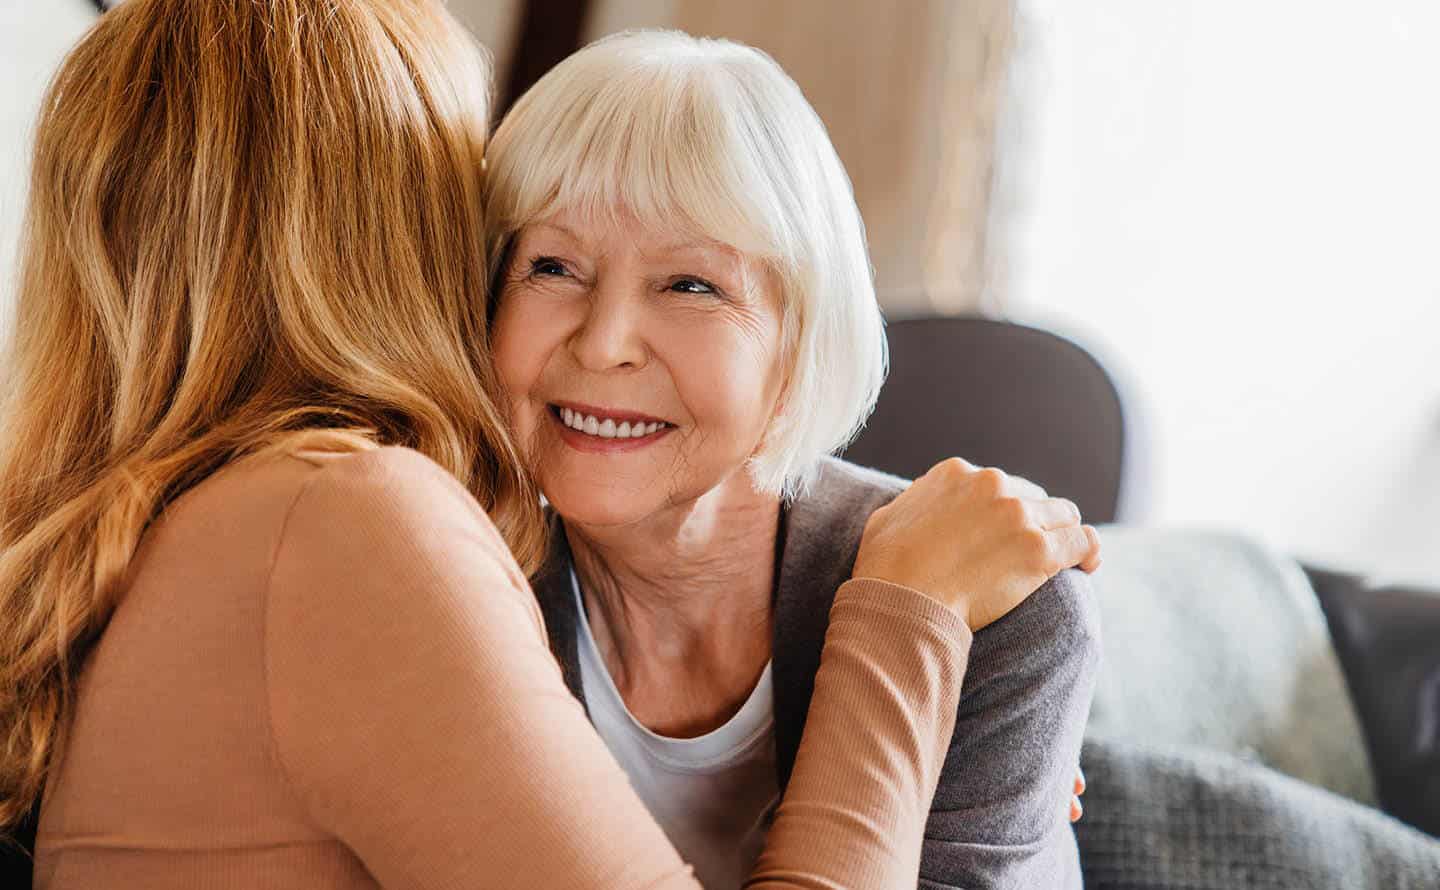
(419, 716)
(868, 753)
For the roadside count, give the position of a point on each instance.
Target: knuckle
(952, 468)
(1014, 512)
(990, 480)
(1037, 546)
(1072, 510)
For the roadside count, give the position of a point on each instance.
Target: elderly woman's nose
(609, 335)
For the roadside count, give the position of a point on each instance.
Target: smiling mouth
(602, 426)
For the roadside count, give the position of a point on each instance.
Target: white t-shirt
(714, 795)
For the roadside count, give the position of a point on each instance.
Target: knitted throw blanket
(1191, 819)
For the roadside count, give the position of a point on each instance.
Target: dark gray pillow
(1388, 638)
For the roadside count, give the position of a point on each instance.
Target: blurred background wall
(1234, 204)
(1239, 202)
(33, 38)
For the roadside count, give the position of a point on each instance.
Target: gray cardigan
(1000, 814)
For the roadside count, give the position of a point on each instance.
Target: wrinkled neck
(680, 605)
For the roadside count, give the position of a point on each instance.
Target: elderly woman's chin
(598, 489)
(602, 500)
(682, 470)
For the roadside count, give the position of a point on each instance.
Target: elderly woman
(686, 326)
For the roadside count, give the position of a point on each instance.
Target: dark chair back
(1001, 394)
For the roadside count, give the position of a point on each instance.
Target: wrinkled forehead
(711, 219)
(660, 237)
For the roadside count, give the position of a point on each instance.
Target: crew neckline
(715, 750)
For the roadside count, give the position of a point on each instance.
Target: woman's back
(245, 220)
(171, 774)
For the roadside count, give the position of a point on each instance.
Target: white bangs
(656, 139)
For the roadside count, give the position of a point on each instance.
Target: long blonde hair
(246, 220)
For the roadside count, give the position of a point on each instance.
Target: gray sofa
(1225, 749)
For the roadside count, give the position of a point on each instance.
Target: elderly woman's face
(643, 366)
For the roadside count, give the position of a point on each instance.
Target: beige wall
(494, 23)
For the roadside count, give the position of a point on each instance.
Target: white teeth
(608, 428)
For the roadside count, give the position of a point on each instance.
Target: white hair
(712, 137)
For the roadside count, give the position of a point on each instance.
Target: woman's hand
(977, 540)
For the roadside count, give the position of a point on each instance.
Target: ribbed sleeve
(879, 726)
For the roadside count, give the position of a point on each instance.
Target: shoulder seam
(270, 738)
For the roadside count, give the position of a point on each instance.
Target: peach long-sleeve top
(326, 671)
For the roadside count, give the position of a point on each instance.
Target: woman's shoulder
(342, 467)
(372, 534)
(302, 459)
(839, 499)
(394, 496)
(839, 478)
(822, 530)
(391, 487)
(845, 494)
(400, 477)
(348, 486)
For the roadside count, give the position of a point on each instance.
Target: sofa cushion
(1211, 640)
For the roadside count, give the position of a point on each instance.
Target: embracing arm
(999, 818)
(869, 752)
(419, 716)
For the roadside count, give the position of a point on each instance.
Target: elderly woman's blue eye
(546, 266)
(693, 286)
